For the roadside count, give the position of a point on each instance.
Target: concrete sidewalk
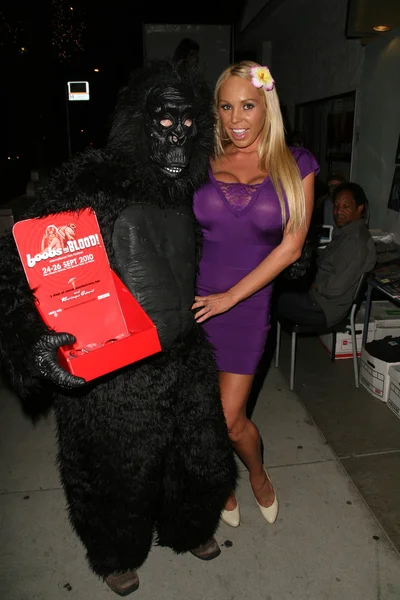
(326, 545)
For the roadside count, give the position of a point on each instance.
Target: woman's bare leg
(244, 435)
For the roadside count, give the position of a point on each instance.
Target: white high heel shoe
(270, 513)
(231, 517)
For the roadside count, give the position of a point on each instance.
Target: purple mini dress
(241, 225)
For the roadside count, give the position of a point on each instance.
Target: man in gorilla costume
(143, 452)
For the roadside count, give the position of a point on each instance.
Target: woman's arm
(288, 251)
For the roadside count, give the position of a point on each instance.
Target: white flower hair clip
(261, 77)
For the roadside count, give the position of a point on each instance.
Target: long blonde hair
(274, 156)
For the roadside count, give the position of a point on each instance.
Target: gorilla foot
(123, 583)
(207, 551)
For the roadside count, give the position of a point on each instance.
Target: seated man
(339, 266)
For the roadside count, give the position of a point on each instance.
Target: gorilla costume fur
(144, 452)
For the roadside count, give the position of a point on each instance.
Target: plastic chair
(349, 321)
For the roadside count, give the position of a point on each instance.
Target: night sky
(44, 44)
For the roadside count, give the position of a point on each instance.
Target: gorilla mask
(162, 130)
(172, 128)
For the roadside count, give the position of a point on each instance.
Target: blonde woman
(254, 212)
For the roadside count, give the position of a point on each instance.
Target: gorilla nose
(176, 139)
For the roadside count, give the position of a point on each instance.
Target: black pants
(300, 308)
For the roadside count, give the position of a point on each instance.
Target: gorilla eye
(166, 122)
(188, 122)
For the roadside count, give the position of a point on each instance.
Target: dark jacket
(340, 266)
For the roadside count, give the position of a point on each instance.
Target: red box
(76, 291)
(142, 341)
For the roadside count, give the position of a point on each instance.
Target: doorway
(327, 126)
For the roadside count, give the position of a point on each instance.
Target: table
(373, 284)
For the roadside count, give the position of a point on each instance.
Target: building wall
(313, 59)
(250, 10)
(378, 128)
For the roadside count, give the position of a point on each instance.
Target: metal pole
(292, 360)
(278, 344)
(68, 123)
(367, 315)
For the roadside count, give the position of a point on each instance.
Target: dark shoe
(123, 583)
(207, 551)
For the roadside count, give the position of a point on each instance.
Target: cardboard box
(76, 291)
(394, 390)
(374, 375)
(386, 315)
(344, 343)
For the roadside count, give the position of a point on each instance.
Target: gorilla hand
(46, 363)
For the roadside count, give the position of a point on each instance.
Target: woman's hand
(209, 306)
